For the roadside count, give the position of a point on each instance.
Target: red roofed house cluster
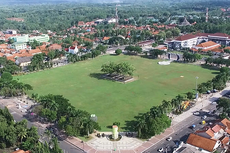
(211, 137)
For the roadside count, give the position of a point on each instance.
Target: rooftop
(185, 37)
(207, 44)
(201, 142)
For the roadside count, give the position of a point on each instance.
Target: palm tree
(154, 111)
(70, 110)
(140, 126)
(88, 125)
(22, 134)
(166, 105)
(179, 99)
(53, 105)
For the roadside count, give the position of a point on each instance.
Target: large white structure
(115, 132)
(26, 38)
(191, 40)
(41, 38)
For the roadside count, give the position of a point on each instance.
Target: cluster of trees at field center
(123, 69)
(10, 87)
(17, 135)
(57, 109)
(156, 120)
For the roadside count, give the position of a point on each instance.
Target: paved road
(65, 146)
(182, 131)
(112, 49)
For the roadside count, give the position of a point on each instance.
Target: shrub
(118, 51)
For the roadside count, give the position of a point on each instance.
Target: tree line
(218, 82)
(10, 87)
(16, 134)
(57, 109)
(191, 57)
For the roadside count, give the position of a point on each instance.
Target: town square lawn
(82, 84)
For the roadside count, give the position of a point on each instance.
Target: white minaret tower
(116, 17)
(206, 15)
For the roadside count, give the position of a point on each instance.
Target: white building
(185, 41)
(9, 31)
(111, 20)
(18, 45)
(73, 50)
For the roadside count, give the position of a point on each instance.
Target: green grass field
(113, 101)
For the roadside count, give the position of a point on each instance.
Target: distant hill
(11, 2)
(16, 2)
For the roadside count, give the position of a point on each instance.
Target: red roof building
(207, 46)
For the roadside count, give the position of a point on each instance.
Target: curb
(67, 141)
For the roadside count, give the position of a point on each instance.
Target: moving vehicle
(161, 150)
(169, 139)
(196, 113)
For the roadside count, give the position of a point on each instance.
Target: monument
(115, 132)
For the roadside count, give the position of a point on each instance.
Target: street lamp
(196, 87)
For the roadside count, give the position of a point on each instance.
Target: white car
(204, 117)
(196, 113)
(161, 150)
(169, 139)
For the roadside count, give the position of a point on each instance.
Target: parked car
(196, 113)
(161, 150)
(204, 117)
(169, 139)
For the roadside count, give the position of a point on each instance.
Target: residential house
(111, 20)
(146, 43)
(23, 61)
(81, 24)
(214, 132)
(21, 151)
(18, 45)
(9, 31)
(73, 50)
(16, 19)
(99, 21)
(202, 143)
(55, 47)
